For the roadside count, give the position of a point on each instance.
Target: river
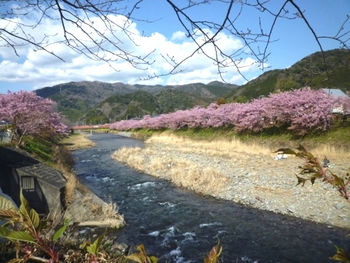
(177, 225)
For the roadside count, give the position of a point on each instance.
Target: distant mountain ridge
(97, 102)
(93, 102)
(309, 71)
(140, 103)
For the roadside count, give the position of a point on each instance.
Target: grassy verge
(99, 130)
(77, 141)
(339, 136)
(40, 148)
(74, 142)
(333, 143)
(55, 155)
(143, 134)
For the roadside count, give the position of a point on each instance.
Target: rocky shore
(245, 174)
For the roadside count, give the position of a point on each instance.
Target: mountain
(140, 103)
(310, 71)
(75, 98)
(171, 100)
(98, 102)
(118, 107)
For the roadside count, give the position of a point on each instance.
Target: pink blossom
(301, 111)
(29, 114)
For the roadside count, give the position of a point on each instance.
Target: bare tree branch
(102, 30)
(38, 45)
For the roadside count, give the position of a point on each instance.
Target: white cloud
(178, 36)
(195, 76)
(42, 69)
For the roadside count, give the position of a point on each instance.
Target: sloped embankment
(246, 174)
(82, 205)
(89, 210)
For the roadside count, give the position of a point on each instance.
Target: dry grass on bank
(183, 173)
(77, 141)
(86, 209)
(230, 148)
(331, 152)
(218, 147)
(105, 209)
(71, 185)
(158, 159)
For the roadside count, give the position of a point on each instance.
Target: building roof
(28, 166)
(44, 173)
(335, 92)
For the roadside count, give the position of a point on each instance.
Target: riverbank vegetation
(334, 143)
(54, 154)
(35, 127)
(77, 141)
(183, 173)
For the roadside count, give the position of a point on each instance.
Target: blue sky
(295, 40)
(35, 69)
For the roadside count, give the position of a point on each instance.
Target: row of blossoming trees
(29, 114)
(301, 111)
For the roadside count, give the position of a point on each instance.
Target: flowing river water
(177, 225)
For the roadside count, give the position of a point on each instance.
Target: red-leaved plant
(23, 226)
(313, 169)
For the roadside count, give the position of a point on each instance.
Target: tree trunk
(14, 136)
(20, 139)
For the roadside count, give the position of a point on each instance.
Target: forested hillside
(310, 71)
(97, 102)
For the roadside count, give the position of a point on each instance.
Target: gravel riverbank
(243, 174)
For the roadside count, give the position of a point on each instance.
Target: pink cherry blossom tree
(29, 114)
(300, 111)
